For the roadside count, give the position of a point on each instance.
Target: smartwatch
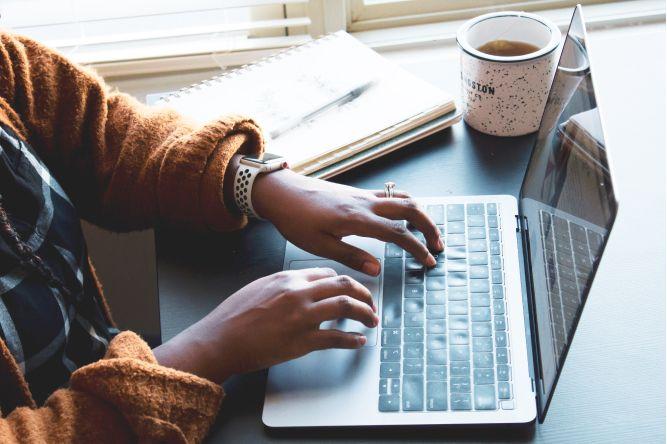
(249, 169)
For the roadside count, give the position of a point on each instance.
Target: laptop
(482, 337)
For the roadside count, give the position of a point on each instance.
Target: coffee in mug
(508, 61)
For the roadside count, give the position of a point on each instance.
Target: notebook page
(279, 90)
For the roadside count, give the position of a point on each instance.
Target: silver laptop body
(471, 341)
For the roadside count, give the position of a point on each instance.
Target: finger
(342, 307)
(323, 339)
(315, 273)
(394, 231)
(397, 193)
(337, 286)
(407, 209)
(346, 254)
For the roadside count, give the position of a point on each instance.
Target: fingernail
(376, 321)
(441, 246)
(374, 307)
(371, 268)
(430, 262)
(362, 340)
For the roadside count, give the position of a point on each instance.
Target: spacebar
(392, 284)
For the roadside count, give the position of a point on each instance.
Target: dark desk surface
(613, 385)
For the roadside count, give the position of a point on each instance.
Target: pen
(338, 101)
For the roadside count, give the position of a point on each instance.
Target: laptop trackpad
(372, 283)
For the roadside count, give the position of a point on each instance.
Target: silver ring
(389, 189)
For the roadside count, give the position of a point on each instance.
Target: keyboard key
(436, 326)
(412, 264)
(436, 213)
(481, 329)
(498, 307)
(456, 266)
(461, 401)
(480, 314)
(436, 356)
(497, 276)
(456, 227)
(485, 397)
(435, 312)
(459, 353)
(436, 395)
(436, 372)
(459, 337)
(501, 356)
(455, 212)
(438, 270)
(457, 308)
(460, 384)
(476, 220)
(392, 250)
(497, 292)
(501, 339)
(414, 291)
(384, 386)
(413, 366)
(479, 258)
(457, 322)
(413, 277)
(482, 360)
(478, 272)
(483, 376)
(477, 245)
(475, 208)
(482, 344)
(496, 262)
(435, 297)
(457, 279)
(492, 208)
(494, 234)
(454, 253)
(414, 306)
(391, 293)
(389, 403)
(413, 334)
(503, 372)
(458, 293)
(435, 283)
(390, 369)
(436, 342)
(480, 299)
(578, 232)
(456, 240)
(413, 393)
(413, 350)
(414, 319)
(499, 323)
(494, 248)
(476, 233)
(460, 369)
(493, 221)
(391, 336)
(504, 391)
(479, 286)
(390, 354)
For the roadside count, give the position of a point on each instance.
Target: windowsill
(597, 16)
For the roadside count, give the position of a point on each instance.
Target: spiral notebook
(364, 102)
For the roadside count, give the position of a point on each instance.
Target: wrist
(267, 190)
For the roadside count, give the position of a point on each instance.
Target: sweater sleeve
(125, 166)
(125, 397)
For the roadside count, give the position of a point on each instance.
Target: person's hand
(271, 320)
(315, 215)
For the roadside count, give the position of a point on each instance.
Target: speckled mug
(505, 96)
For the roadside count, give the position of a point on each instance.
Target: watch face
(266, 159)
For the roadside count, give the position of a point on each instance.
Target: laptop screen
(568, 203)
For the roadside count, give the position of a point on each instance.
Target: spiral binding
(247, 67)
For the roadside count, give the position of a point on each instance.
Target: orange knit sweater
(125, 167)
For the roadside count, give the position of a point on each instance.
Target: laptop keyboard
(444, 332)
(570, 250)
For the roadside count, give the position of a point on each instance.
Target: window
(377, 14)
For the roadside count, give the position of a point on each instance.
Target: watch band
(246, 174)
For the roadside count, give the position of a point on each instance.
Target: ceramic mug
(505, 96)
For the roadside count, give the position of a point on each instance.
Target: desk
(613, 385)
